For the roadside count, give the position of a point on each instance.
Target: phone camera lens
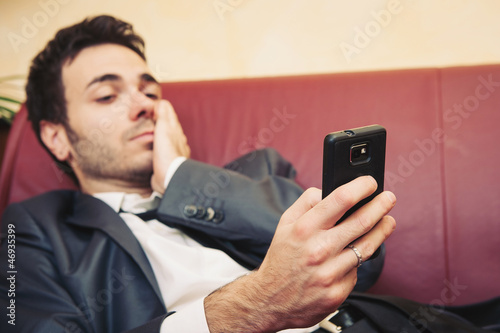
(360, 153)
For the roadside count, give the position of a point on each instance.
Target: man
(92, 262)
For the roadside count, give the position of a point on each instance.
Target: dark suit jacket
(77, 267)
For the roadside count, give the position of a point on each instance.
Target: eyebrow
(104, 78)
(113, 78)
(148, 78)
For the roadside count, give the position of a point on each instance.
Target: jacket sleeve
(241, 203)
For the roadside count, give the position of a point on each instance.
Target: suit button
(210, 214)
(200, 212)
(190, 210)
(218, 216)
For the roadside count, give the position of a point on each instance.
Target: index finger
(310, 198)
(326, 213)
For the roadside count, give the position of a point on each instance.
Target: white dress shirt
(186, 271)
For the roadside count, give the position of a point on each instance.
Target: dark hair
(45, 98)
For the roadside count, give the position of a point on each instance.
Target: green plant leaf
(8, 99)
(6, 112)
(12, 112)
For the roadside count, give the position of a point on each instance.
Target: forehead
(99, 60)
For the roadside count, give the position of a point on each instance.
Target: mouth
(144, 136)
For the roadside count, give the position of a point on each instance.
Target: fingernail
(370, 178)
(391, 197)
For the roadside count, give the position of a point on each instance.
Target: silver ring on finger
(357, 253)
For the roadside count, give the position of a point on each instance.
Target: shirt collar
(129, 202)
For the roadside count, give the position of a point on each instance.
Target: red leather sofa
(443, 157)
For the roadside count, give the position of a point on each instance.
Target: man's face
(110, 97)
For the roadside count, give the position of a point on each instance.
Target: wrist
(240, 306)
(159, 181)
(172, 168)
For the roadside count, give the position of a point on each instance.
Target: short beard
(98, 161)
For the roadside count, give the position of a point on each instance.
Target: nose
(141, 106)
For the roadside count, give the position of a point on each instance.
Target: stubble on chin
(99, 160)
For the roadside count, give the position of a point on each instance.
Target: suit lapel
(90, 212)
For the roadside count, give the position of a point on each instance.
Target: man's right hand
(169, 143)
(308, 271)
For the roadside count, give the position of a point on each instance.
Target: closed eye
(152, 96)
(106, 99)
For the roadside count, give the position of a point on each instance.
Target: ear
(55, 138)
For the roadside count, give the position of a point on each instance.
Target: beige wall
(212, 39)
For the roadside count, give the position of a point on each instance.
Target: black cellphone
(350, 154)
